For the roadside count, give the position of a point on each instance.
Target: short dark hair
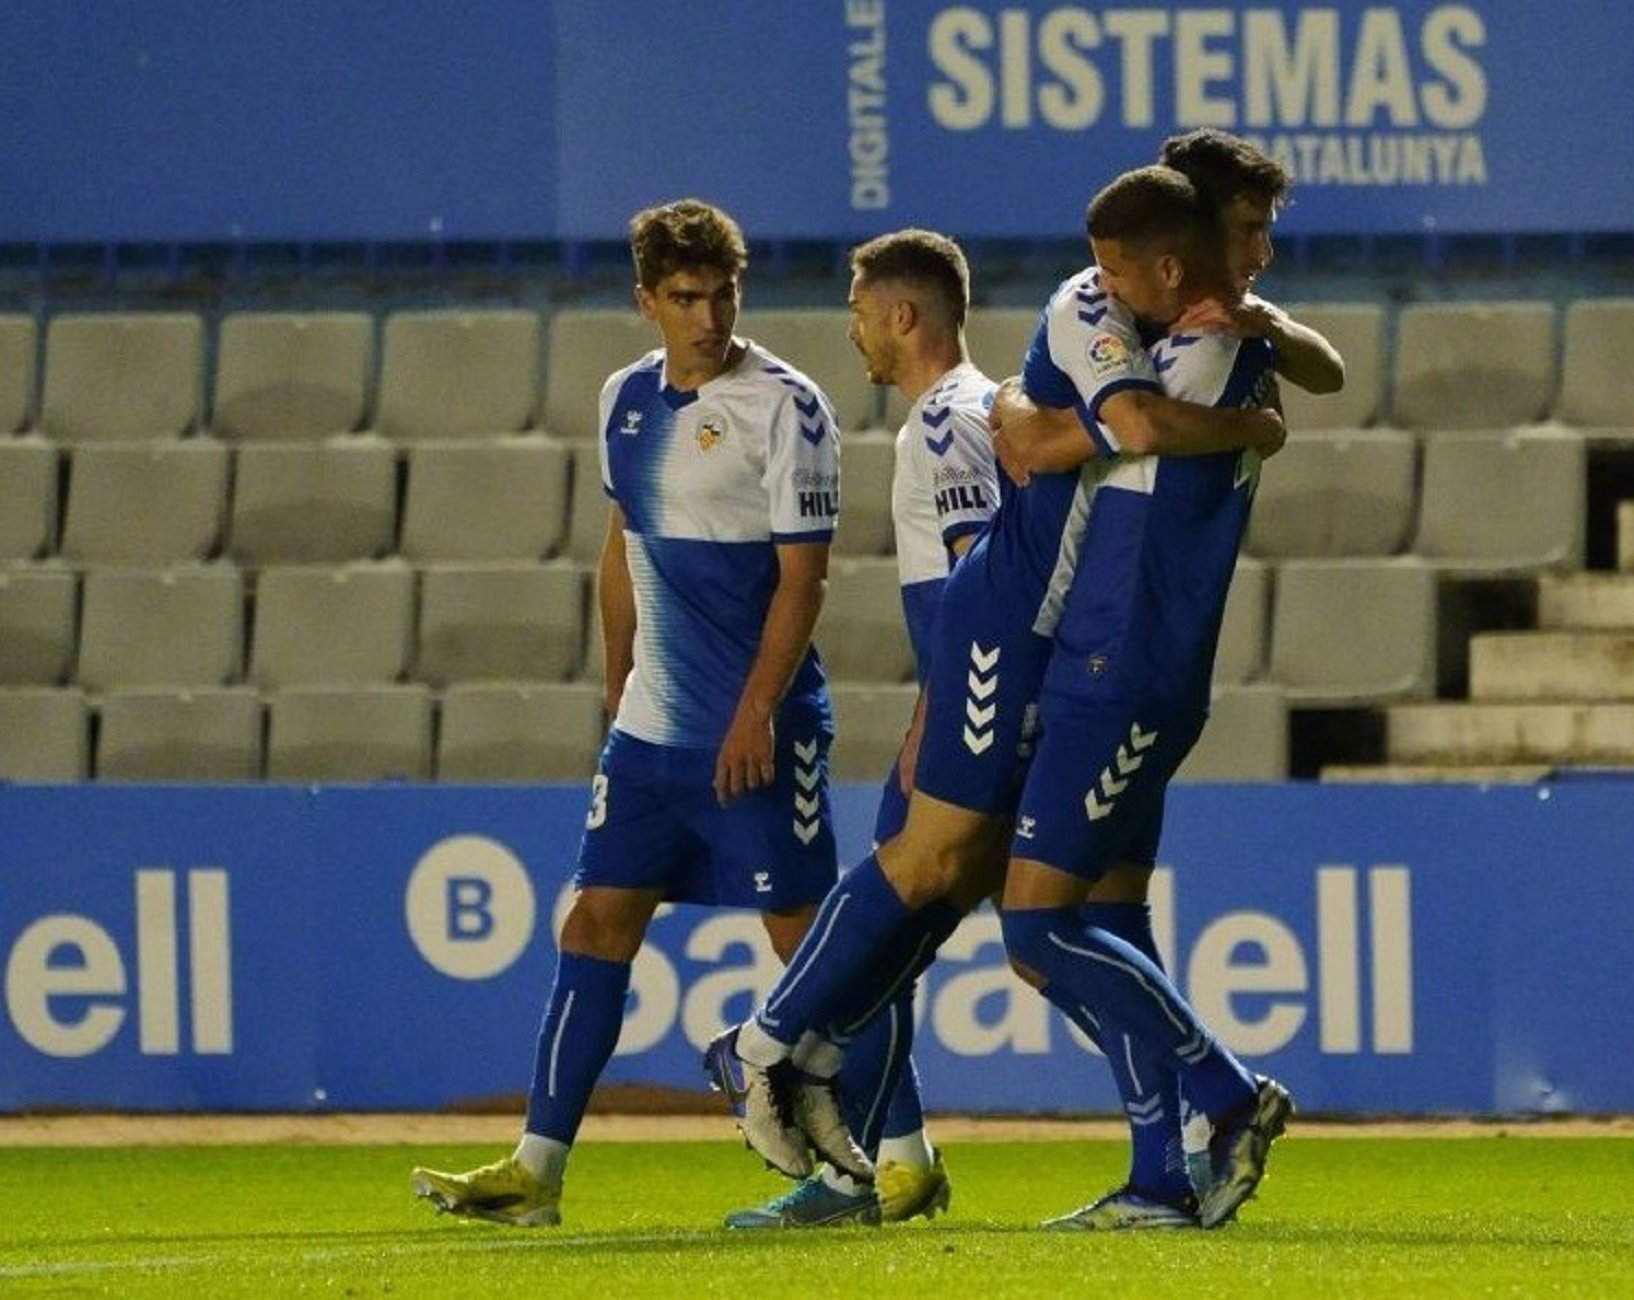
(918, 257)
(685, 235)
(1224, 166)
(1152, 209)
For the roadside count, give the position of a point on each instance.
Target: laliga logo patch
(710, 432)
(1106, 352)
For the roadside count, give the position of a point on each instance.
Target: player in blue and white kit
(888, 916)
(723, 468)
(910, 292)
(1125, 697)
(1246, 188)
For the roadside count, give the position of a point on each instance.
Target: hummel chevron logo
(805, 750)
(807, 777)
(938, 417)
(806, 832)
(940, 445)
(1148, 1110)
(1092, 317)
(807, 805)
(1163, 364)
(1114, 777)
(807, 408)
(982, 681)
(813, 433)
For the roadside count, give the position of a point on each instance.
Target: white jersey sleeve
(803, 463)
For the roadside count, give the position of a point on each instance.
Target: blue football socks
(576, 1039)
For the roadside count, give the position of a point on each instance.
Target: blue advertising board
(555, 119)
(1383, 950)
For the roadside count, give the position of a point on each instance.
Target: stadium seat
(814, 341)
(520, 731)
(119, 375)
(149, 503)
(458, 374)
(500, 622)
(290, 376)
(181, 626)
(1357, 330)
(1240, 656)
(332, 625)
(1474, 365)
(998, 338)
(1597, 376)
(588, 506)
(202, 735)
(497, 499)
(28, 498)
(1337, 493)
(36, 624)
(586, 345)
(1504, 503)
(861, 634)
(1353, 631)
(867, 464)
(1246, 738)
(323, 502)
(44, 735)
(869, 724)
(338, 733)
(17, 346)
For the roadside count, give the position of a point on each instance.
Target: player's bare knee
(786, 929)
(609, 928)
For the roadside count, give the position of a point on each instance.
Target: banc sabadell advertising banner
(1385, 950)
(268, 120)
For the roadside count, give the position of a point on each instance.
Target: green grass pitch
(1522, 1216)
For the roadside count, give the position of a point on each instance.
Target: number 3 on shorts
(598, 801)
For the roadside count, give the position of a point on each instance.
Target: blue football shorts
(1095, 791)
(654, 823)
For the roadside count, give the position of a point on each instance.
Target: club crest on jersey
(632, 422)
(711, 429)
(1106, 352)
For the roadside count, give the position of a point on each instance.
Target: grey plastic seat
(861, 635)
(1240, 655)
(28, 498)
(500, 622)
(332, 625)
(1474, 365)
(588, 506)
(869, 724)
(1357, 330)
(1597, 368)
(520, 731)
(291, 376)
(814, 341)
(1504, 503)
(323, 502)
(998, 338)
(585, 346)
(17, 347)
(1353, 631)
(44, 735)
(149, 503)
(359, 733)
(868, 462)
(1246, 738)
(37, 610)
(497, 499)
(180, 626)
(1331, 494)
(458, 374)
(122, 375)
(202, 735)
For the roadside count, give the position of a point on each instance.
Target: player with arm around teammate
(722, 464)
(888, 916)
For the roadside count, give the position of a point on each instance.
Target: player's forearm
(1036, 439)
(615, 598)
(1304, 357)
(1147, 423)
(791, 618)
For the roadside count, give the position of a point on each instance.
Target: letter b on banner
(469, 907)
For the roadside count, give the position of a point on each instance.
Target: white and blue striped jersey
(1141, 619)
(945, 486)
(1087, 347)
(710, 482)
